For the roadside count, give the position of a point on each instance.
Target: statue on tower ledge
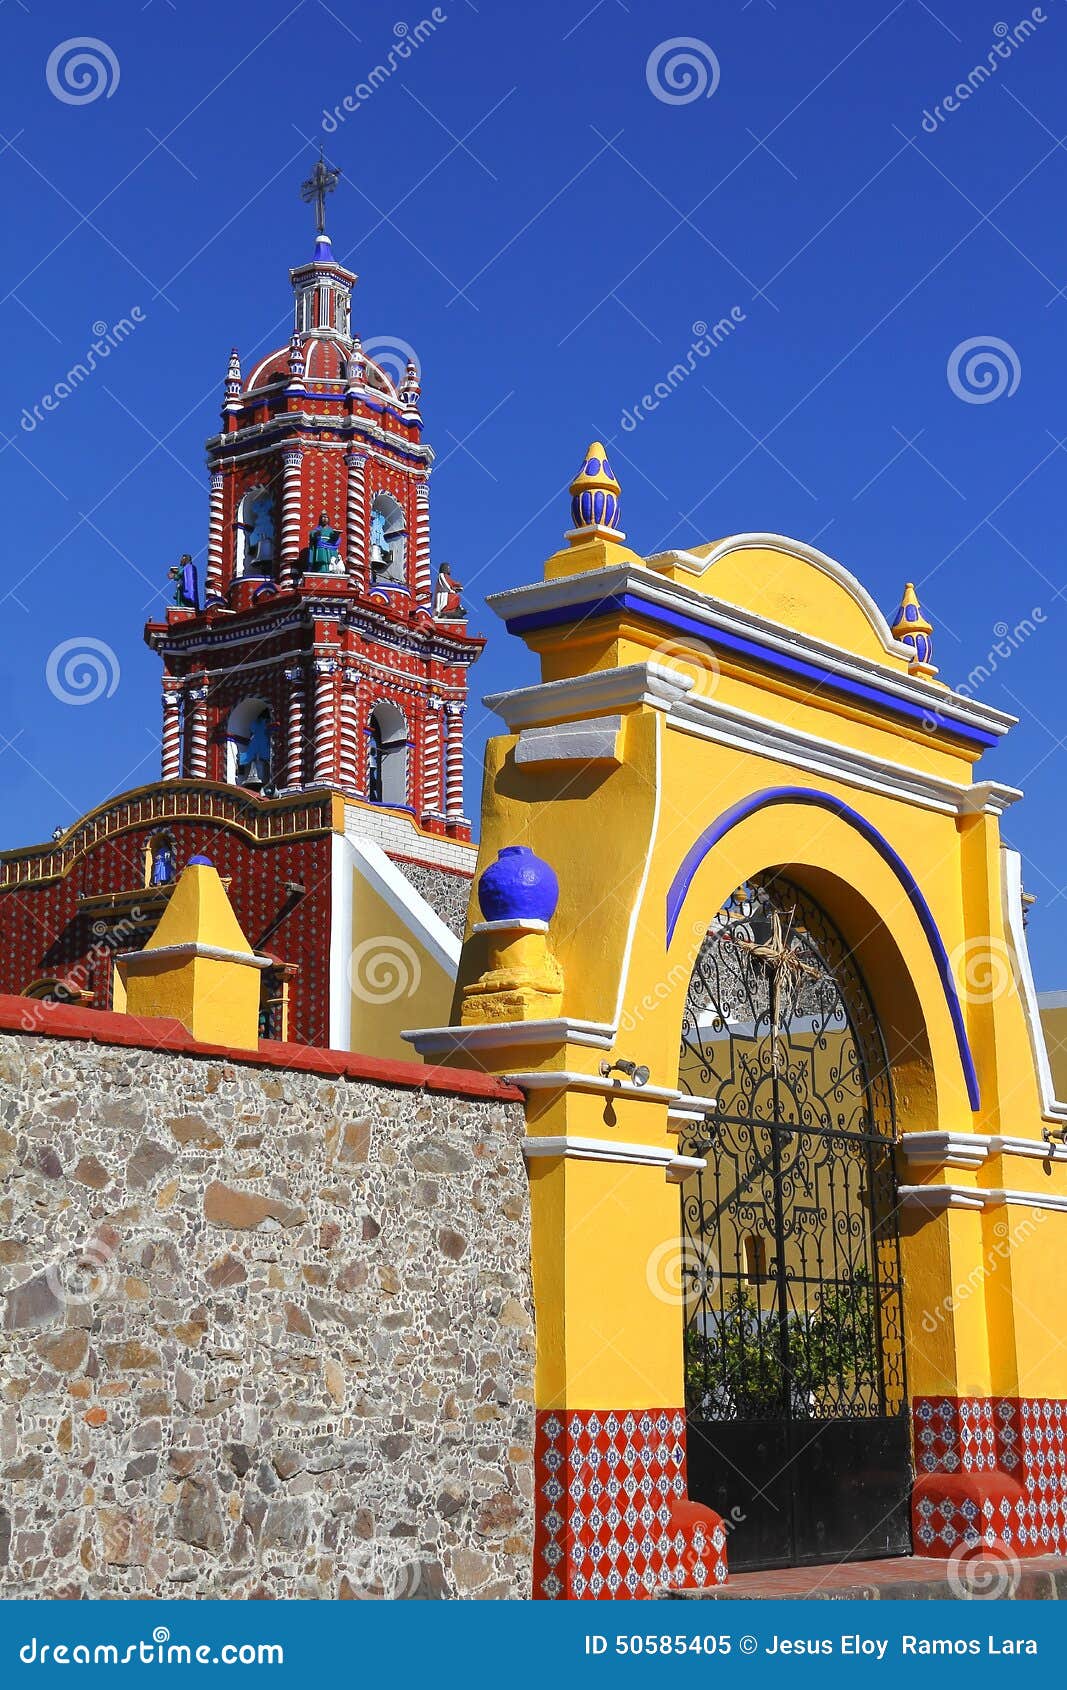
(324, 557)
(447, 598)
(186, 587)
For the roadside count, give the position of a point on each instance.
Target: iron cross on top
(322, 181)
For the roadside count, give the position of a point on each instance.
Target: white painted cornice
(676, 1168)
(934, 1199)
(726, 724)
(670, 691)
(192, 948)
(972, 1150)
(596, 694)
(556, 1079)
(716, 614)
(498, 1035)
(1011, 887)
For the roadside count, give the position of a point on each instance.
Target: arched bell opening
(388, 541)
(255, 546)
(387, 755)
(250, 745)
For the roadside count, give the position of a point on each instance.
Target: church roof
(326, 357)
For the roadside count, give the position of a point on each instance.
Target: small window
(755, 1249)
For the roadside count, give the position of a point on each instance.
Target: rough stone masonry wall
(265, 1333)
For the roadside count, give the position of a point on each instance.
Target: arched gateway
(794, 1360)
(793, 1194)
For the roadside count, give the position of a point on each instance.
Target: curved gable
(788, 582)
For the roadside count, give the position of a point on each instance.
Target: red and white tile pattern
(613, 1518)
(991, 1470)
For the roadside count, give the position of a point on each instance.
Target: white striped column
(294, 774)
(172, 735)
(431, 758)
(326, 671)
(356, 516)
(454, 762)
(195, 702)
(422, 542)
(350, 730)
(213, 582)
(291, 537)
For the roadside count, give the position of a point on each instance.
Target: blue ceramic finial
(518, 887)
(200, 861)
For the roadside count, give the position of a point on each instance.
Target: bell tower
(319, 649)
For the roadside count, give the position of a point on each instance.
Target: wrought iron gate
(798, 1430)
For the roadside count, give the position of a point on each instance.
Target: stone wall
(266, 1333)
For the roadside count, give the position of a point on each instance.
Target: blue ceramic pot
(518, 886)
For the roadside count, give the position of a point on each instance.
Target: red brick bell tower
(318, 651)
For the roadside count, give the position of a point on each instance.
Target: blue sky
(545, 231)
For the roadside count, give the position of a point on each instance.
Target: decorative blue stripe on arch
(729, 819)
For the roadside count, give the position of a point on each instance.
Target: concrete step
(1041, 1578)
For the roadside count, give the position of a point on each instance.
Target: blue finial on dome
(519, 886)
(595, 498)
(200, 861)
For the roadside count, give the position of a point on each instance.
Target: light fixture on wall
(639, 1076)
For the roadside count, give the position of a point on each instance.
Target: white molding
(945, 1149)
(498, 1035)
(1052, 1000)
(1011, 883)
(934, 1199)
(593, 739)
(192, 948)
(675, 1167)
(512, 924)
(716, 614)
(726, 724)
(559, 1079)
(972, 1150)
(666, 689)
(342, 881)
(409, 906)
(790, 548)
(581, 696)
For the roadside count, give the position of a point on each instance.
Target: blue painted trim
(743, 646)
(739, 812)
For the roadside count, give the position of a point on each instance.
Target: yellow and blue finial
(595, 499)
(912, 628)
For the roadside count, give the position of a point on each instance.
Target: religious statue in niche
(257, 526)
(379, 551)
(186, 585)
(324, 557)
(254, 753)
(164, 862)
(447, 598)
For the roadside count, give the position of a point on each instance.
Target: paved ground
(1042, 1579)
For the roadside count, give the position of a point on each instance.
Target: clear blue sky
(545, 231)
